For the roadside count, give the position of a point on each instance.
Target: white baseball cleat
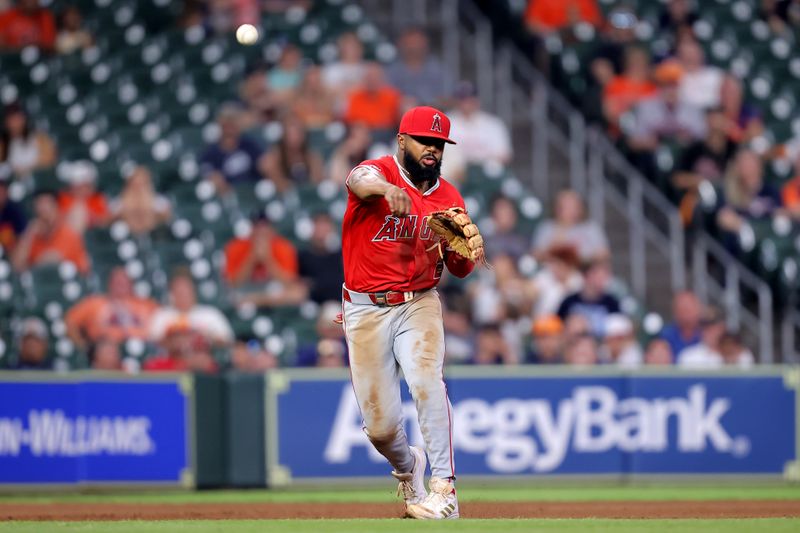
(440, 504)
(412, 484)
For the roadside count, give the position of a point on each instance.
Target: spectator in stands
(32, 345)
(504, 239)
(347, 72)
(313, 103)
(677, 19)
(706, 353)
(24, 148)
(570, 226)
(616, 38)
(351, 151)
(620, 346)
(252, 357)
(544, 17)
(502, 294)
(264, 267)
(293, 161)
(492, 347)
(576, 325)
(374, 103)
(105, 355)
(704, 160)
(72, 36)
(624, 91)
(139, 205)
(27, 24)
(500, 298)
(790, 193)
(665, 116)
(234, 158)
(330, 355)
(194, 14)
(547, 340)
(607, 60)
(227, 15)
(184, 348)
(459, 335)
(783, 16)
(260, 104)
(186, 313)
(320, 265)
(658, 353)
(704, 86)
(747, 197)
(48, 239)
(285, 77)
(581, 351)
(330, 348)
(82, 206)
(13, 219)
(558, 278)
(454, 166)
(684, 331)
(593, 301)
(734, 352)
(422, 78)
(116, 316)
(482, 136)
(262, 256)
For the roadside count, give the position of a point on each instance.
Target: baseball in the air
(246, 34)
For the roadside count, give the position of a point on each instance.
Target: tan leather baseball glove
(461, 234)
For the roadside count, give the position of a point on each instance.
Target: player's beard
(420, 173)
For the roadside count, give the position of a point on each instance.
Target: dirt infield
(218, 511)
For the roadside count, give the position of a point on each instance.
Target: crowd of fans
(668, 95)
(565, 311)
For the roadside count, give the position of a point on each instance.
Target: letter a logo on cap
(437, 123)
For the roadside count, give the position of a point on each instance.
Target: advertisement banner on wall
(74, 431)
(550, 424)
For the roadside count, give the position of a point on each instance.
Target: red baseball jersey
(383, 252)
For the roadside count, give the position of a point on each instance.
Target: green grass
(467, 492)
(403, 526)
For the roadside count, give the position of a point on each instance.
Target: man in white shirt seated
(183, 307)
(707, 353)
(482, 137)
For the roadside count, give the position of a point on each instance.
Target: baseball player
(392, 315)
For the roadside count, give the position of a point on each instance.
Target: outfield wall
(82, 429)
(303, 426)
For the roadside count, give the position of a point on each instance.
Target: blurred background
(172, 182)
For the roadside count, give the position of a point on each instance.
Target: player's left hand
(461, 234)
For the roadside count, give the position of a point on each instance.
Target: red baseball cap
(424, 121)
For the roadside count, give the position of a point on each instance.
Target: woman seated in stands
(24, 148)
(313, 103)
(292, 162)
(747, 197)
(139, 205)
(570, 226)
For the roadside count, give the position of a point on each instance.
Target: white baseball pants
(408, 337)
